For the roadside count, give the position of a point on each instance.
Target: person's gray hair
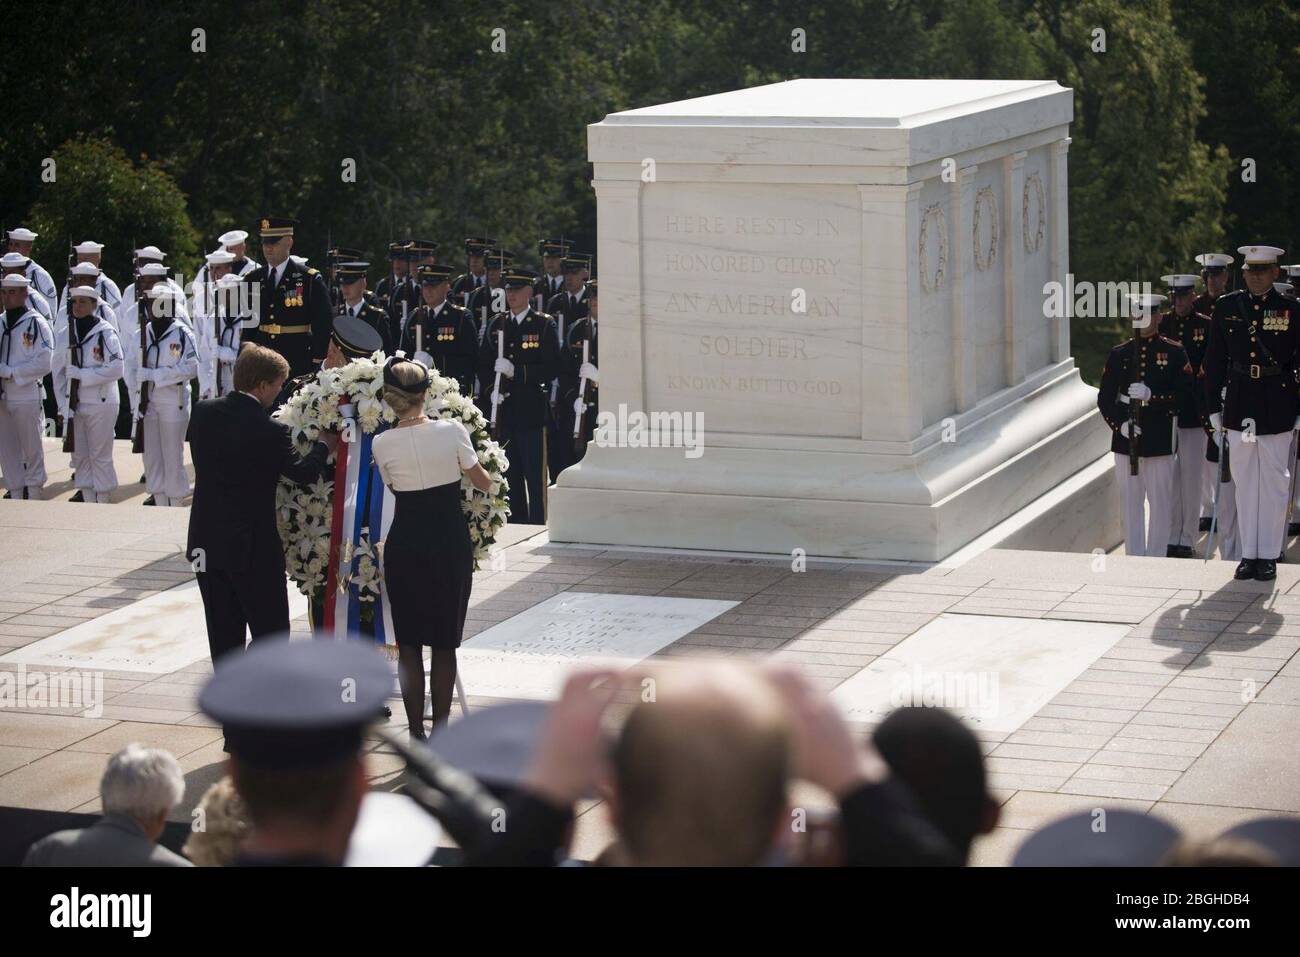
(141, 782)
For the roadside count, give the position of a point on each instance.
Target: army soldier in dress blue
(352, 283)
(489, 298)
(567, 306)
(294, 317)
(168, 363)
(1191, 330)
(573, 371)
(398, 270)
(551, 281)
(26, 357)
(475, 253)
(95, 364)
(1143, 388)
(442, 334)
(529, 363)
(1255, 351)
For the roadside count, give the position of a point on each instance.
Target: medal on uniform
(97, 353)
(29, 338)
(1162, 359)
(175, 349)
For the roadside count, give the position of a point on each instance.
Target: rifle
(142, 405)
(1134, 412)
(496, 384)
(1222, 474)
(580, 421)
(74, 386)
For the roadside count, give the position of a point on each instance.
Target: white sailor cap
(1144, 303)
(15, 280)
(85, 269)
(229, 279)
(1180, 282)
(220, 258)
(300, 260)
(153, 269)
(85, 292)
(159, 290)
(89, 248)
(233, 238)
(150, 252)
(13, 260)
(1214, 260)
(1259, 255)
(22, 235)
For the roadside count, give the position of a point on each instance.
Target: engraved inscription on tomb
(752, 306)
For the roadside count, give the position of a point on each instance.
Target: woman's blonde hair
(409, 397)
(225, 825)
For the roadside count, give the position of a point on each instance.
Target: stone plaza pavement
(1191, 710)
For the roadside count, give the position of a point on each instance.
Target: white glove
(505, 367)
(1123, 430)
(1216, 421)
(589, 372)
(497, 398)
(226, 354)
(424, 357)
(6, 371)
(579, 407)
(1140, 391)
(74, 372)
(147, 375)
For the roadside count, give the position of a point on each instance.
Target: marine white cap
(1211, 260)
(1260, 255)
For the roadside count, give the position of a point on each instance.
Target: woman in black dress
(428, 559)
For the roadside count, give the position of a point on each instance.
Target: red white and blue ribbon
(360, 503)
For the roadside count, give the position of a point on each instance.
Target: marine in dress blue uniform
(1153, 371)
(1254, 353)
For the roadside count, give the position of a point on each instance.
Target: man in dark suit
(295, 313)
(239, 454)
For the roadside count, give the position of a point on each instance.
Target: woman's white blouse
(416, 457)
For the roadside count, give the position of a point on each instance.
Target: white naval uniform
(1226, 533)
(102, 310)
(40, 280)
(107, 290)
(168, 414)
(127, 307)
(1261, 472)
(217, 337)
(1189, 482)
(1147, 503)
(27, 348)
(42, 306)
(100, 361)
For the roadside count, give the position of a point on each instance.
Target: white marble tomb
(841, 281)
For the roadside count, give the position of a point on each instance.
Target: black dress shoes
(1245, 570)
(79, 497)
(1293, 528)
(1171, 551)
(149, 501)
(1265, 570)
(1205, 523)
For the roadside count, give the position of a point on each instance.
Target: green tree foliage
(99, 194)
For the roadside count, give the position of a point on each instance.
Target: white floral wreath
(984, 197)
(304, 511)
(1033, 180)
(934, 210)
